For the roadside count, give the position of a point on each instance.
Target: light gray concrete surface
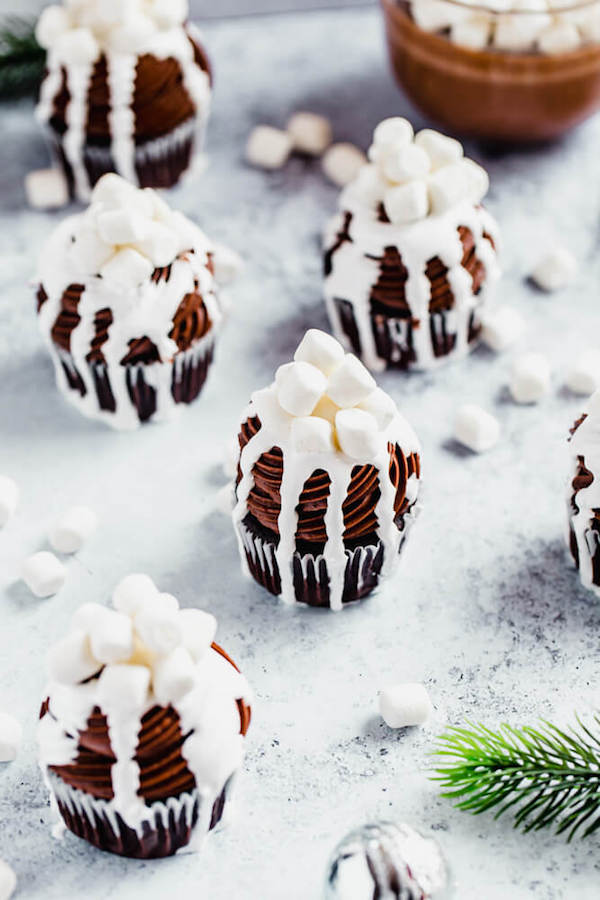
(207, 9)
(485, 609)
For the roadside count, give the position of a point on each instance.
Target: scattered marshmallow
(502, 327)
(381, 406)
(133, 592)
(584, 376)
(474, 33)
(11, 736)
(407, 202)
(299, 387)
(560, 37)
(124, 687)
(268, 148)
(357, 433)
(71, 661)
(310, 133)
(312, 434)
(8, 881)
(321, 350)
(9, 498)
(111, 639)
(405, 705)
(174, 676)
(555, 270)
(531, 378)
(73, 529)
(351, 382)
(440, 149)
(475, 428)
(342, 163)
(199, 629)
(46, 189)
(128, 268)
(227, 264)
(44, 574)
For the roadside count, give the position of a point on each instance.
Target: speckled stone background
(485, 609)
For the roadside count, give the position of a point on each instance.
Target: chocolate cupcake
(142, 727)
(128, 305)
(328, 479)
(584, 495)
(127, 89)
(410, 258)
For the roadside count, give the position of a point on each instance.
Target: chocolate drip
(68, 318)
(41, 296)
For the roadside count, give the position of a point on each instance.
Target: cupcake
(328, 479)
(410, 258)
(127, 89)
(128, 306)
(584, 496)
(142, 728)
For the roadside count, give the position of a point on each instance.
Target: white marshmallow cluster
(78, 31)
(126, 233)
(514, 26)
(326, 401)
(405, 705)
(306, 132)
(146, 643)
(502, 327)
(415, 176)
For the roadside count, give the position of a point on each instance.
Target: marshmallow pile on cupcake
(141, 658)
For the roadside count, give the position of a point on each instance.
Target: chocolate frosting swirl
(359, 507)
(163, 770)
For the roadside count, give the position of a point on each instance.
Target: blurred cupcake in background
(410, 258)
(127, 89)
(129, 306)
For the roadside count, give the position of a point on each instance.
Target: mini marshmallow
(174, 676)
(357, 433)
(11, 736)
(321, 350)
(9, 499)
(462, 180)
(436, 15)
(160, 245)
(125, 687)
(530, 379)
(407, 202)
(405, 705)
(127, 268)
(381, 406)
(502, 327)
(268, 148)
(584, 376)
(159, 627)
(44, 574)
(560, 37)
(269, 410)
(519, 31)
(71, 661)
(132, 592)
(351, 383)
(311, 434)
(122, 226)
(111, 639)
(52, 23)
(46, 189)
(73, 529)
(395, 131)
(8, 881)
(77, 47)
(474, 33)
(299, 387)
(440, 149)
(85, 616)
(342, 163)
(475, 428)
(326, 409)
(227, 264)
(310, 133)
(400, 164)
(89, 251)
(555, 270)
(113, 191)
(199, 629)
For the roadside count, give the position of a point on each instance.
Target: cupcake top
(414, 177)
(326, 458)
(141, 704)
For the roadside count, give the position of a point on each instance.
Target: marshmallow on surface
(476, 428)
(405, 705)
(530, 379)
(44, 574)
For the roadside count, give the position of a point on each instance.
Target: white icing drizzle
(586, 443)
(121, 70)
(298, 467)
(355, 273)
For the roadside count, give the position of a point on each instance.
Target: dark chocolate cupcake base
(169, 826)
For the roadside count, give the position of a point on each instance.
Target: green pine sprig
(546, 777)
(22, 60)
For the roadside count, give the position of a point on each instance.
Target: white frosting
(76, 35)
(119, 277)
(124, 692)
(586, 443)
(301, 459)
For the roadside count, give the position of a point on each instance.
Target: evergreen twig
(22, 60)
